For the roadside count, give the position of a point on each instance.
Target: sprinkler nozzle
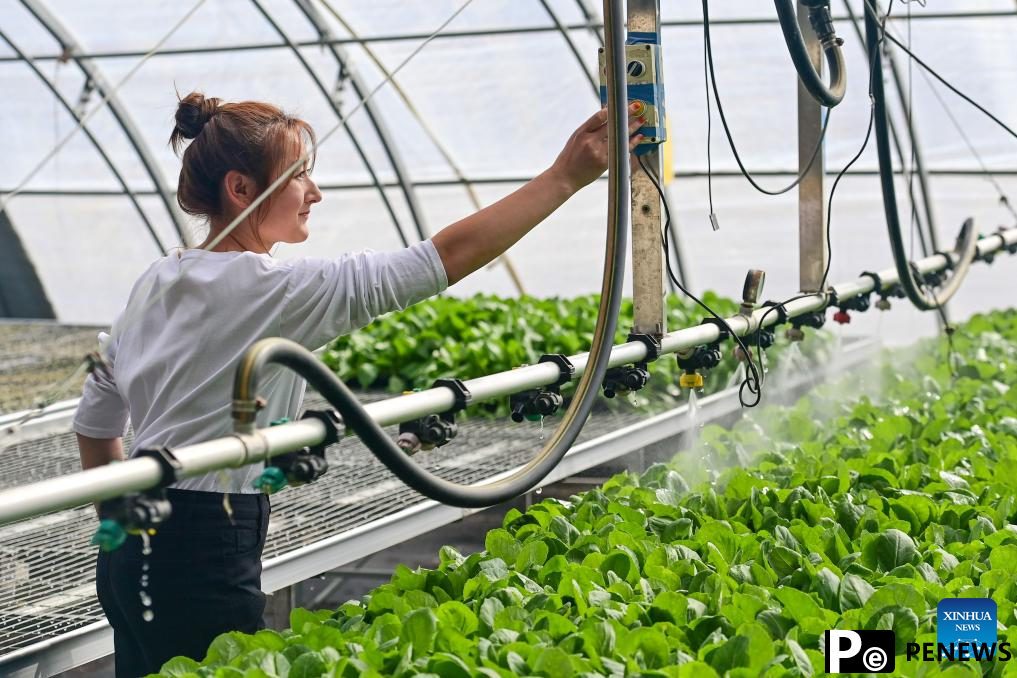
(691, 380)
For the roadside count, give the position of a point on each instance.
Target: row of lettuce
(471, 337)
(860, 507)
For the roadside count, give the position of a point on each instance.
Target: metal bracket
(877, 282)
(459, 391)
(333, 424)
(782, 317)
(722, 332)
(566, 370)
(168, 464)
(652, 346)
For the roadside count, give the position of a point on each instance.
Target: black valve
(625, 379)
(301, 467)
(813, 319)
(305, 465)
(434, 430)
(534, 404)
(700, 357)
(427, 433)
(141, 511)
(933, 278)
(138, 511)
(859, 303)
(693, 360)
(763, 337)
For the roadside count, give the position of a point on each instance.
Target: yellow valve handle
(691, 380)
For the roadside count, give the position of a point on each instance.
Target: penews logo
(859, 651)
(968, 625)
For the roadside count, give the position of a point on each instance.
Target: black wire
(829, 212)
(886, 36)
(1004, 200)
(709, 136)
(727, 130)
(752, 382)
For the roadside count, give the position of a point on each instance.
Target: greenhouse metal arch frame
(85, 60)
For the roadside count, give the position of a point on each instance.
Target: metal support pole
(648, 309)
(279, 605)
(106, 482)
(813, 253)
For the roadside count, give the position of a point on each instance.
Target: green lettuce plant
(859, 507)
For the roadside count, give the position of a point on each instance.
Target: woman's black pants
(203, 578)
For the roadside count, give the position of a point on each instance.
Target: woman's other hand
(584, 157)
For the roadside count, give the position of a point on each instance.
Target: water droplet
(146, 544)
(144, 580)
(539, 490)
(146, 599)
(148, 615)
(144, 567)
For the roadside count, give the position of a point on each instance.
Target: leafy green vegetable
(483, 334)
(860, 514)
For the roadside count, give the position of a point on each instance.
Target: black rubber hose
(297, 358)
(967, 241)
(822, 24)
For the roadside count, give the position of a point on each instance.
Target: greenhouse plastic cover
(502, 92)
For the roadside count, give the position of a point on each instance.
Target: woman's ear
(238, 189)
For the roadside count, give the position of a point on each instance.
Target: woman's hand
(584, 157)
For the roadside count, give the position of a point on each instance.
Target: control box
(645, 80)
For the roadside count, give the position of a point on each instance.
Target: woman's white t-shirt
(173, 364)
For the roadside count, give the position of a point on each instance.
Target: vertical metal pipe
(813, 253)
(649, 313)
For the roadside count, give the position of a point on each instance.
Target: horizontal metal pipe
(428, 183)
(478, 33)
(138, 474)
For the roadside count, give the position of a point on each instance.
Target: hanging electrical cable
(727, 129)
(887, 36)
(1004, 199)
(822, 24)
(752, 382)
(355, 417)
(779, 307)
(966, 248)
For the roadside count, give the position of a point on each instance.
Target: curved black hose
(294, 356)
(929, 240)
(822, 24)
(967, 241)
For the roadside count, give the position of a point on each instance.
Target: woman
(172, 366)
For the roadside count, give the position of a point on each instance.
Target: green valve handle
(534, 417)
(271, 480)
(109, 536)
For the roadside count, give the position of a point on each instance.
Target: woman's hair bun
(193, 112)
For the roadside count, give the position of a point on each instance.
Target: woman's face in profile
(287, 219)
